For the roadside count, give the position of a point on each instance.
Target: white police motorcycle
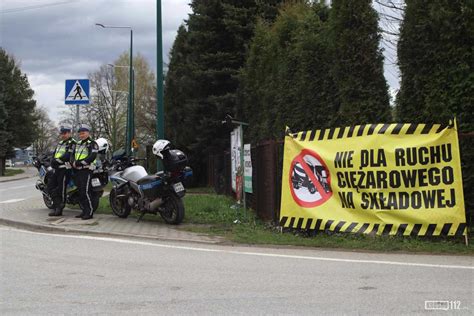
(157, 193)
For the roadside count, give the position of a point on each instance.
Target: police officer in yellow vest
(57, 183)
(83, 162)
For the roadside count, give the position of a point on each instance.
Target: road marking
(259, 254)
(11, 201)
(18, 187)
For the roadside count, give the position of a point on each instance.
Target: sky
(55, 40)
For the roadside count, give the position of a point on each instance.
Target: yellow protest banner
(384, 179)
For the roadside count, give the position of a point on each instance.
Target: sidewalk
(30, 172)
(32, 214)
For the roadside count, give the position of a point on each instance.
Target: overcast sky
(55, 40)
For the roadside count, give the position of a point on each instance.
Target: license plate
(178, 187)
(95, 182)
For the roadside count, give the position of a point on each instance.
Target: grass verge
(215, 215)
(12, 172)
(201, 190)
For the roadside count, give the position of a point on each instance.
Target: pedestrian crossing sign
(77, 91)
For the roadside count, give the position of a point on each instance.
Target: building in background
(23, 156)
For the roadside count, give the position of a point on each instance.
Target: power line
(38, 6)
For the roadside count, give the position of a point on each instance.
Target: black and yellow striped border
(315, 224)
(368, 130)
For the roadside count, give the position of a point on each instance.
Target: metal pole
(129, 127)
(160, 128)
(77, 117)
(242, 168)
(132, 111)
(130, 98)
(114, 137)
(160, 122)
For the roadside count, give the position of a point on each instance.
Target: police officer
(57, 183)
(83, 162)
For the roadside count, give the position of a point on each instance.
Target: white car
(9, 163)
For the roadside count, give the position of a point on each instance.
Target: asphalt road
(18, 190)
(46, 274)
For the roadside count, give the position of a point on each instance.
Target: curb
(52, 229)
(9, 180)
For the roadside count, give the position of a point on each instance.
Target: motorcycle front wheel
(48, 202)
(173, 210)
(119, 205)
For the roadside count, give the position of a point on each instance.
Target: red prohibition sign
(311, 177)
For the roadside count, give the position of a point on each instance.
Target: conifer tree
(17, 118)
(358, 63)
(177, 92)
(436, 64)
(287, 78)
(216, 39)
(268, 9)
(436, 60)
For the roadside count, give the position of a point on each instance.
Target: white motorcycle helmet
(159, 146)
(103, 145)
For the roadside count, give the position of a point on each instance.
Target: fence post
(266, 180)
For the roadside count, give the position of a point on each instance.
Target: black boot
(56, 212)
(79, 216)
(87, 216)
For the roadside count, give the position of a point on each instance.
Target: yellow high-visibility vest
(61, 149)
(82, 152)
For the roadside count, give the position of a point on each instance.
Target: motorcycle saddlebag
(174, 160)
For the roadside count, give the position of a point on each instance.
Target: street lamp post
(114, 122)
(130, 111)
(160, 128)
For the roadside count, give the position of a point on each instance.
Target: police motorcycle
(147, 193)
(99, 177)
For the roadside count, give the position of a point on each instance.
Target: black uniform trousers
(57, 185)
(82, 178)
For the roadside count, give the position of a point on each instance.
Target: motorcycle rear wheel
(173, 210)
(48, 202)
(119, 206)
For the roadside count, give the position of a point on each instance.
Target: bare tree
(107, 112)
(68, 116)
(145, 97)
(391, 15)
(47, 133)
